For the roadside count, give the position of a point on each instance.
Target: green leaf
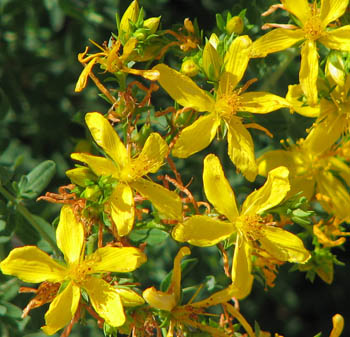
(5, 175)
(2, 225)
(48, 229)
(3, 310)
(220, 22)
(32, 184)
(156, 236)
(12, 310)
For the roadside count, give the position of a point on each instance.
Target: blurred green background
(39, 120)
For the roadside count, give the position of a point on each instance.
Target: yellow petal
(99, 165)
(212, 62)
(242, 278)
(327, 129)
(197, 136)
(283, 245)
(183, 90)
(214, 180)
(80, 175)
(335, 70)
(299, 8)
(175, 283)
(272, 159)
(81, 84)
(128, 48)
(237, 58)
(293, 97)
(165, 201)
(203, 231)
(122, 208)
(105, 300)
(332, 10)
(261, 102)
(340, 168)
(338, 325)
(304, 184)
(70, 235)
(106, 137)
(129, 297)
(270, 194)
(309, 71)
(30, 264)
(116, 259)
(276, 40)
(336, 195)
(151, 157)
(219, 297)
(159, 300)
(337, 39)
(62, 309)
(241, 148)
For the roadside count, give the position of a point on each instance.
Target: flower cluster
(131, 179)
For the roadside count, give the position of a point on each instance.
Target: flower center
(228, 104)
(251, 227)
(313, 28)
(78, 272)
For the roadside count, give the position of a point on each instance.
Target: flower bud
(131, 14)
(211, 62)
(152, 24)
(235, 25)
(189, 68)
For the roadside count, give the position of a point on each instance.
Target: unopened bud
(189, 68)
(152, 24)
(235, 25)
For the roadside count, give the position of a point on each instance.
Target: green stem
(26, 214)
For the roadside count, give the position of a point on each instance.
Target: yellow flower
(249, 225)
(313, 27)
(229, 100)
(334, 117)
(111, 61)
(170, 300)
(311, 173)
(128, 172)
(30, 264)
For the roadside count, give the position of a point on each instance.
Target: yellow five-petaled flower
(80, 271)
(128, 172)
(314, 23)
(228, 102)
(250, 227)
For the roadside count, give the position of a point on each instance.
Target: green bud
(91, 193)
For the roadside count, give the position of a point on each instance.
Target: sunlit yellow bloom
(312, 173)
(128, 172)
(334, 117)
(313, 27)
(249, 225)
(111, 61)
(228, 102)
(181, 314)
(30, 264)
